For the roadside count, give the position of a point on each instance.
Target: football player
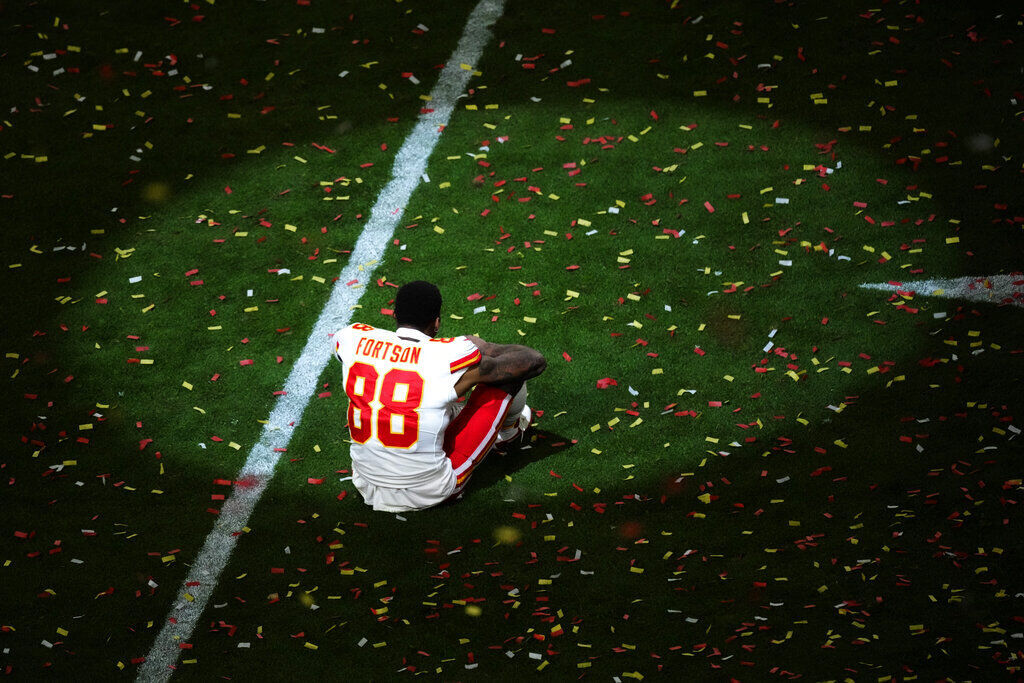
(414, 445)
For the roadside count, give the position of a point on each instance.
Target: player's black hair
(417, 304)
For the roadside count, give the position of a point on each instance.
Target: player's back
(401, 390)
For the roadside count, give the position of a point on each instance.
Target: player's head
(418, 304)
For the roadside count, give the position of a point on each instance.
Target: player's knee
(541, 365)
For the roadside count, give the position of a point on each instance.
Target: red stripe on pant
(472, 433)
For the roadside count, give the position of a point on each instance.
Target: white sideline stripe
(410, 164)
(993, 289)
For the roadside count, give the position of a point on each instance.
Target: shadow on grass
(538, 445)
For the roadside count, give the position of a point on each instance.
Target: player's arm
(501, 364)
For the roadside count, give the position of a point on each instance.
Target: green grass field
(790, 476)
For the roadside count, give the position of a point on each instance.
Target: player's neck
(417, 329)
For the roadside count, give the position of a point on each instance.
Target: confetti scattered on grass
(816, 467)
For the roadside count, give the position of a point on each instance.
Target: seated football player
(414, 445)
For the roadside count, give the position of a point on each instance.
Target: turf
(745, 465)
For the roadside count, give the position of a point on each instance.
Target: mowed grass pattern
(645, 192)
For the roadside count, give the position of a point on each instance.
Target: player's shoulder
(345, 336)
(355, 328)
(452, 343)
(459, 352)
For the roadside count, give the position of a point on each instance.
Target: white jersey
(401, 391)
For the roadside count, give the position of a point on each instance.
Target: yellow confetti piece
(187, 385)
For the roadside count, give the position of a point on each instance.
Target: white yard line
(410, 165)
(993, 289)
